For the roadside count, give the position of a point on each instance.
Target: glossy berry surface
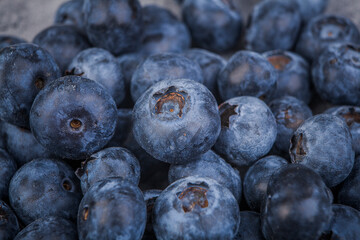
(18, 88)
(44, 187)
(112, 209)
(73, 117)
(176, 120)
(248, 130)
(9, 225)
(212, 166)
(202, 206)
(109, 162)
(7, 170)
(247, 74)
(250, 227)
(324, 143)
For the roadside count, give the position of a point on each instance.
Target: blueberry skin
(176, 120)
(289, 113)
(247, 74)
(322, 31)
(19, 88)
(112, 209)
(123, 127)
(109, 162)
(336, 72)
(9, 225)
(250, 227)
(351, 115)
(44, 187)
(257, 178)
(163, 66)
(196, 208)
(273, 25)
(211, 64)
(349, 192)
(7, 40)
(297, 198)
(293, 74)
(73, 117)
(7, 170)
(70, 13)
(22, 145)
(248, 130)
(323, 143)
(51, 228)
(209, 165)
(226, 23)
(113, 25)
(163, 32)
(101, 66)
(63, 42)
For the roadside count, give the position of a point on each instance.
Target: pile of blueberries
(121, 121)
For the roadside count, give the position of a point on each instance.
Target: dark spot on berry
(226, 111)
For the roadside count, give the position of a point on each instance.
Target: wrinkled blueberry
(7, 40)
(50, 228)
(196, 208)
(248, 130)
(214, 24)
(109, 162)
(250, 227)
(113, 25)
(112, 209)
(18, 88)
(324, 144)
(293, 74)
(101, 66)
(44, 187)
(164, 66)
(257, 178)
(273, 25)
(70, 13)
(212, 166)
(297, 198)
(247, 74)
(9, 225)
(176, 120)
(73, 117)
(7, 170)
(324, 30)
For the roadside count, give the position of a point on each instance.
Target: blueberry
(335, 74)
(7, 170)
(248, 130)
(21, 144)
(123, 127)
(63, 42)
(196, 208)
(176, 120)
(293, 74)
(250, 227)
(211, 64)
(70, 12)
(297, 198)
(163, 32)
(18, 88)
(112, 209)
(349, 192)
(44, 187)
(351, 115)
(212, 166)
(164, 66)
(73, 117)
(51, 228)
(150, 197)
(214, 24)
(324, 30)
(257, 178)
(109, 162)
(101, 66)
(324, 143)
(273, 25)
(247, 74)
(9, 225)
(7, 40)
(289, 113)
(113, 25)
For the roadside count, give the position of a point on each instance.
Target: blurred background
(25, 18)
